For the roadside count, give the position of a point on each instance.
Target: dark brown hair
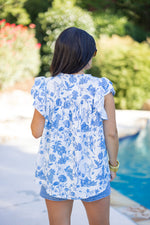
(73, 50)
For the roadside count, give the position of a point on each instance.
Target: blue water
(133, 177)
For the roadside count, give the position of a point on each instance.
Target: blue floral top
(72, 159)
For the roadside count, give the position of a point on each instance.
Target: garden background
(29, 28)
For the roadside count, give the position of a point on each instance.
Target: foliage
(126, 63)
(13, 11)
(109, 23)
(136, 12)
(34, 7)
(53, 22)
(61, 3)
(22, 11)
(19, 55)
(122, 17)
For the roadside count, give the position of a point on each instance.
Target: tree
(34, 7)
(136, 11)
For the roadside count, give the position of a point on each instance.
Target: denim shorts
(103, 194)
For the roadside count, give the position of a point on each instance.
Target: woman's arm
(110, 132)
(37, 124)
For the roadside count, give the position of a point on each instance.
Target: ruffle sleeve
(105, 87)
(38, 92)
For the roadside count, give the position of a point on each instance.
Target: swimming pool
(133, 177)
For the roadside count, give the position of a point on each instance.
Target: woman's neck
(80, 72)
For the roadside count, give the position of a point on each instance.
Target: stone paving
(20, 203)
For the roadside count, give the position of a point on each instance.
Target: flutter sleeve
(105, 87)
(38, 92)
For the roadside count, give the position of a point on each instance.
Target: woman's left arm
(37, 124)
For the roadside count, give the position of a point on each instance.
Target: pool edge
(133, 210)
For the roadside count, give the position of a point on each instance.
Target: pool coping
(130, 128)
(133, 210)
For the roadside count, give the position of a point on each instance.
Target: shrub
(53, 22)
(19, 55)
(109, 23)
(126, 63)
(14, 12)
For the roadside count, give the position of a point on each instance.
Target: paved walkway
(20, 203)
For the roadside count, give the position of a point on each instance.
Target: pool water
(133, 177)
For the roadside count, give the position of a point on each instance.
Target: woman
(75, 118)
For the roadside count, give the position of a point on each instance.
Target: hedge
(126, 63)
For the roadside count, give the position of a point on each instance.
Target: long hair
(73, 50)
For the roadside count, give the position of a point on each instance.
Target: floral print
(72, 159)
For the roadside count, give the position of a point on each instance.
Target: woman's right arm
(110, 132)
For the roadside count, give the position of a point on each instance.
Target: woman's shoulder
(43, 81)
(103, 84)
(40, 85)
(40, 80)
(101, 81)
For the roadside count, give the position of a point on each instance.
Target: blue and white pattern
(72, 159)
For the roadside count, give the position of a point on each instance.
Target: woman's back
(73, 159)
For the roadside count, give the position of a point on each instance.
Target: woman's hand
(112, 175)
